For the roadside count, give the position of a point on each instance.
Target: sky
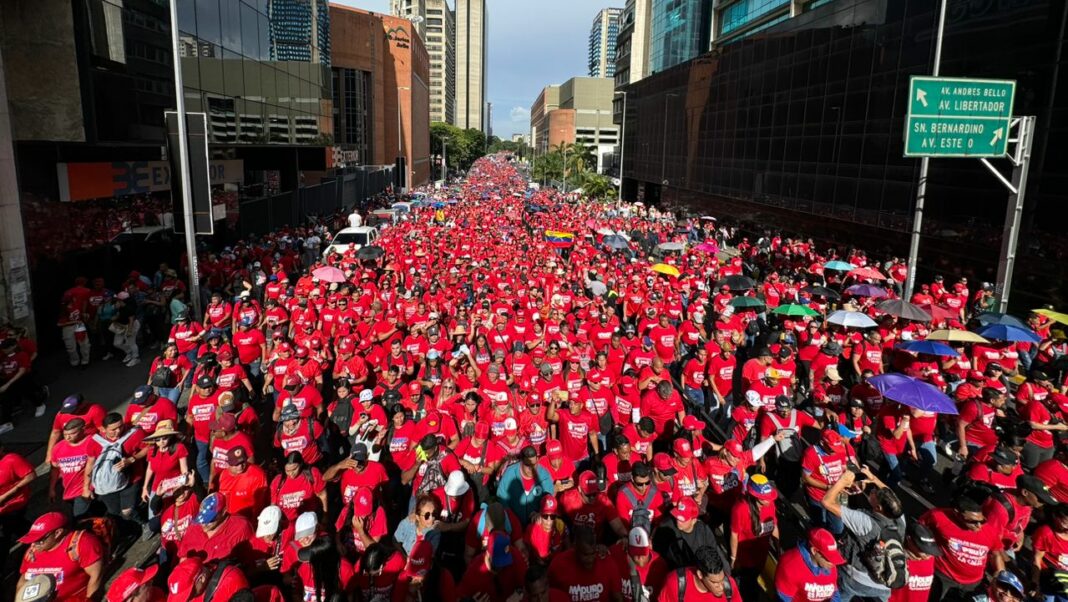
(531, 45)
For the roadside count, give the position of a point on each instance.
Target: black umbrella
(615, 241)
(821, 291)
(903, 309)
(737, 283)
(371, 252)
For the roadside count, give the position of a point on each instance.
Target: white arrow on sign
(921, 96)
(997, 136)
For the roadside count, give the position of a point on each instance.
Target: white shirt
(355, 220)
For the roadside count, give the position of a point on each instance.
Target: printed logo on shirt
(969, 553)
(819, 591)
(583, 593)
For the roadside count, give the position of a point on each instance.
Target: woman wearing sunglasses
(421, 524)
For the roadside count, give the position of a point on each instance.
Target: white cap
(367, 395)
(456, 484)
(270, 519)
(306, 524)
(510, 424)
(753, 398)
(638, 538)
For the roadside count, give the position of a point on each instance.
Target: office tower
(436, 24)
(632, 43)
(300, 30)
(471, 64)
(681, 30)
(602, 44)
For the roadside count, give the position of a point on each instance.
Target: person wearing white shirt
(355, 219)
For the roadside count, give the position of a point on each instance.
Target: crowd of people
(519, 395)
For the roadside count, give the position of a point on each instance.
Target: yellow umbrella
(956, 336)
(1056, 316)
(663, 268)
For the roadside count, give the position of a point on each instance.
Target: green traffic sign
(958, 117)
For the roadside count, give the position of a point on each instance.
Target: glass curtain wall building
(679, 31)
(797, 122)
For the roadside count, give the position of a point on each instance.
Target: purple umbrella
(922, 396)
(885, 382)
(866, 290)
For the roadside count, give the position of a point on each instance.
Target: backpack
(883, 557)
(105, 479)
(163, 377)
(642, 515)
(216, 578)
(981, 491)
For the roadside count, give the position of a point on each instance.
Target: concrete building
(681, 30)
(632, 43)
(437, 27)
(471, 24)
(579, 110)
(381, 72)
(602, 44)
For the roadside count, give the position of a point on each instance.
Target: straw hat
(164, 428)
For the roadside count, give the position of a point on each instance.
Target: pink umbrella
(329, 274)
(867, 273)
(707, 247)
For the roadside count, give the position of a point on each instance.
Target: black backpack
(883, 557)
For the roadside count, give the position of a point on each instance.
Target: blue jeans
(191, 355)
(222, 332)
(829, 521)
(893, 470)
(171, 393)
(697, 396)
(848, 589)
(928, 457)
(203, 461)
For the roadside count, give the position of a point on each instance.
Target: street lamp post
(623, 141)
(663, 147)
(400, 138)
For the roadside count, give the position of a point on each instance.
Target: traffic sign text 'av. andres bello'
(955, 117)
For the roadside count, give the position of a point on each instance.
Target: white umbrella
(851, 319)
(671, 246)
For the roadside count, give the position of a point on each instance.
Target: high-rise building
(632, 43)
(436, 24)
(300, 30)
(680, 30)
(471, 25)
(602, 44)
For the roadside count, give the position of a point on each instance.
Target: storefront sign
(87, 181)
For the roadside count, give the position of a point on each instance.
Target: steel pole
(1011, 235)
(921, 187)
(622, 143)
(183, 167)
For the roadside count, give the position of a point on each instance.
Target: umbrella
(839, 266)
(989, 317)
(371, 252)
(746, 303)
(940, 313)
(671, 246)
(867, 274)
(736, 283)
(708, 218)
(1056, 316)
(438, 205)
(929, 348)
(922, 396)
(955, 336)
(821, 291)
(851, 319)
(885, 382)
(605, 231)
(615, 241)
(1005, 332)
(793, 309)
(667, 270)
(597, 288)
(329, 274)
(903, 309)
(707, 247)
(866, 290)
(728, 252)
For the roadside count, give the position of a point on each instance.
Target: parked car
(358, 237)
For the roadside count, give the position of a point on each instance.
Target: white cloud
(520, 114)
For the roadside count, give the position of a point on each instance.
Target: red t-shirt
(303, 439)
(379, 587)
(71, 578)
(248, 344)
(297, 495)
(575, 432)
(964, 552)
(918, 587)
(794, 578)
(1055, 548)
(232, 538)
(599, 584)
(497, 587)
(670, 591)
(14, 468)
(753, 545)
(165, 465)
(93, 417)
(373, 475)
(980, 429)
(202, 411)
(71, 460)
(595, 514)
(1055, 475)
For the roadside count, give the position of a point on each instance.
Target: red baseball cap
(553, 448)
(976, 375)
(638, 543)
(361, 502)
(663, 463)
(734, 448)
(682, 448)
(589, 483)
(832, 440)
(692, 423)
(45, 524)
(180, 583)
(482, 431)
(420, 559)
(685, 509)
(129, 581)
(823, 542)
(549, 505)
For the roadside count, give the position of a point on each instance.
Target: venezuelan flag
(559, 239)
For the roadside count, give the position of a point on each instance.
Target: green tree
(596, 186)
(548, 167)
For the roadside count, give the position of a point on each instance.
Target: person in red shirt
(708, 581)
(298, 434)
(217, 535)
(975, 422)
(587, 505)
(809, 572)
(754, 527)
(547, 534)
(822, 465)
(497, 573)
(1000, 469)
(243, 485)
(635, 558)
(71, 465)
(299, 488)
(721, 369)
(75, 406)
(1050, 544)
(868, 355)
(583, 573)
(189, 581)
(577, 428)
(135, 585)
(693, 376)
(1054, 473)
(199, 415)
(967, 542)
(664, 405)
(921, 549)
(75, 558)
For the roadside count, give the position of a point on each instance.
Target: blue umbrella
(922, 396)
(840, 266)
(1005, 332)
(438, 205)
(989, 317)
(929, 348)
(885, 382)
(867, 290)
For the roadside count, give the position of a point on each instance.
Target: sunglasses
(640, 483)
(428, 515)
(548, 517)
